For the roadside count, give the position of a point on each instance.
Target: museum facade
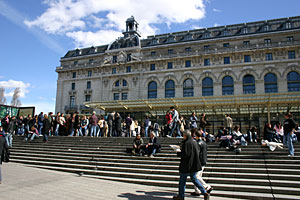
(243, 69)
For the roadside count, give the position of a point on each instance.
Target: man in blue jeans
(288, 129)
(190, 164)
(175, 122)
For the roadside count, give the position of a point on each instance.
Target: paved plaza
(28, 183)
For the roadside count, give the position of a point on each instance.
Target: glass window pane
(270, 83)
(207, 87)
(170, 89)
(188, 88)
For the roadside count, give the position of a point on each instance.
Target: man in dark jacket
(152, 146)
(3, 149)
(138, 144)
(10, 131)
(189, 164)
(203, 159)
(46, 128)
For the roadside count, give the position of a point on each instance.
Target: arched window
(117, 83)
(270, 83)
(293, 81)
(170, 89)
(188, 88)
(248, 84)
(152, 90)
(125, 83)
(227, 86)
(207, 87)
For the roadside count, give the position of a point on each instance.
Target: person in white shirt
(175, 122)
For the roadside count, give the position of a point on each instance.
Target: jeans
(9, 139)
(175, 126)
(146, 131)
(31, 136)
(99, 132)
(199, 177)
(21, 131)
(287, 140)
(56, 130)
(196, 182)
(93, 130)
(40, 127)
(151, 150)
(45, 137)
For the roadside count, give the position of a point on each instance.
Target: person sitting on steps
(138, 144)
(153, 146)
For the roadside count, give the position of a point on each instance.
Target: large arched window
(117, 83)
(170, 89)
(124, 83)
(270, 83)
(248, 84)
(293, 81)
(152, 90)
(188, 88)
(227, 86)
(207, 87)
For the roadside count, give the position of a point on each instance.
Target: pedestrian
(190, 164)
(3, 149)
(147, 124)
(193, 120)
(46, 128)
(118, 125)
(10, 131)
(93, 121)
(110, 120)
(203, 122)
(288, 129)
(40, 122)
(175, 122)
(128, 122)
(203, 159)
(228, 123)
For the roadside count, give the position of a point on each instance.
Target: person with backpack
(203, 159)
(3, 150)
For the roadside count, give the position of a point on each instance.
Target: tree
(2, 96)
(15, 99)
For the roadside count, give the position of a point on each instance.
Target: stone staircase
(255, 173)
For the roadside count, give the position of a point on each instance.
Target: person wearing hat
(3, 149)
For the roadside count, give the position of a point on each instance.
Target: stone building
(249, 70)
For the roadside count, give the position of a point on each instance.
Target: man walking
(175, 121)
(189, 165)
(203, 159)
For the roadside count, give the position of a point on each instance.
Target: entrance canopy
(243, 104)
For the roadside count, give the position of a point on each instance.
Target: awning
(256, 103)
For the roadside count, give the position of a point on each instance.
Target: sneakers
(151, 156)
(290, 155)
(168, 136)
(209, 190)
(206, 196)
(178, 198)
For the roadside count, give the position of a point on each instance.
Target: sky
(35, 34)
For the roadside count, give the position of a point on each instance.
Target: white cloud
(215, 25)
(10, 85)
(75, 19)
(18, 18)
(217, 10)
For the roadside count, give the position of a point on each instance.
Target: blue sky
(36, 34)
